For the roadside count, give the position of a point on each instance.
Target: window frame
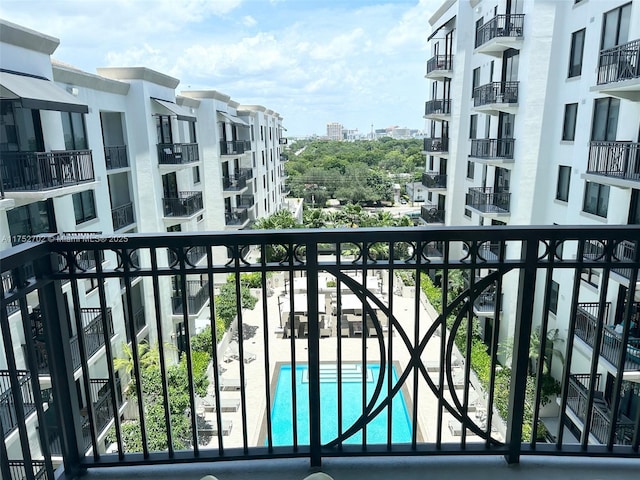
(576, 55)
(84, 215)
(554, 295)
(475, 80)
(562, 190)
(602, 195)
(569, 122)
(473, 126)
(471, 169)
(609, 136)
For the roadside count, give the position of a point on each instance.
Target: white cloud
(249, 21)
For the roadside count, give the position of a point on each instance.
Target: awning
(233, 119)
(169, 108)
(441, 26)
(38, 94)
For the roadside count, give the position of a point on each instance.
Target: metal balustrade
(439, 63)
(431, 214)
(619, 63)
(500, 26)
(436, 144)
(187, 204)
(350, 312)
(116, 157)
(177, 153)
(197, 294)
(8, 416)
(236, 216)
(437, 107)
(434, 180)
(37, 171)
(234, 147)
(234, 182)
(487, 200)
(496, 92)
(492, 148)
(122, 216)
(620, 160)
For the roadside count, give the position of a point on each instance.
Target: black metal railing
(500, 26)
(619, 160)
(487, 200)
(8, 417)
(197, 296)
(495, 92)
(619, 63)
(492, 148)
(101, 397)
(234, 182)
(440, 63)
(35, 171)
(139, 322)
(440, 145)
(431, 214)
(434, 180)
(578, 402)
(116, 157)
(234, 147)
(350, 293)
(177, 153)
(8, 286)
(236, 216)
(437, 107)
(485, 303)
(122, 216)
(19, 472)
(187, 204)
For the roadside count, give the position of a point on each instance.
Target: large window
(577, 50)
(20, 129)
(470, 169)
(605, 119)
(30, 220)
(473, 126)
(75, 137)
(596, 199)
(163, 129)
(569, 126)
(634, 208)
(615, 27)
(84, 206)
(553, 298)
(564, 178)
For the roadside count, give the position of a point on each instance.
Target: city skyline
(366, 69)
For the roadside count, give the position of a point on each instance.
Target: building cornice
(214, 94)
(139, 73)
(26, 38)
(255, 108)
(79, 78)
(187, 101)
(438, 13)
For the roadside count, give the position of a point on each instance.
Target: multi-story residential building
(117, 153)
(534, 120)
(334, 131)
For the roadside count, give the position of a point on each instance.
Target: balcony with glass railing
(404, 371)
(499, 34)
(619, 71)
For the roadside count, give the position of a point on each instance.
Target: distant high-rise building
(334, 131)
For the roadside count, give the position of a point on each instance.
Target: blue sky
(358, 62)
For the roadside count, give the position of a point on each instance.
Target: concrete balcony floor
(398, 468)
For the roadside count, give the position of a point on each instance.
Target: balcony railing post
(520, 362)
(314, 356)
(61, 371)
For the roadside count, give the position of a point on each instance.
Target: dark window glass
(84, 206)
(596, 199)
(20, 129)
(163, 129)
(470, 169)
(476, 80)
(634, 208)
(605, 119)
(564, 178)
(473, 126)
(30, 219)
(75, 137)
(569, 127)
(615, 27)
(192, 132)
(577, 50)
(591, 276)
(196, 174)
(553, 298)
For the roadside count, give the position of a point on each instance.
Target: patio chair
(231, 384)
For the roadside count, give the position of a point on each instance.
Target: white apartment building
(119, 152)
(534, 119)
(334, 131)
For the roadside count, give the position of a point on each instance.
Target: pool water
(282, 416)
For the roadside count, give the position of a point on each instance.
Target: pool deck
(280, 351)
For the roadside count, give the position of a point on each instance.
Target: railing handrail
(502, 25)
(619, 63)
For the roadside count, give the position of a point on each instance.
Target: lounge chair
(212, 428)
(226, 405)
(230, 384)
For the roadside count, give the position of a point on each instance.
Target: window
(553, 299)
(467, 213)
(473, 126)
(569, 126)
(615, 27)
(163, 129)
(84, 206)
(75, 137)
(196, 174)
(605, 119)
(476, 80)
(577, 50)
(634, 208)
(30, 219)
(470, 169)
(487, 126)
(431, 163)
(596, 199)
(590, 276)
(564, 178)
(90, 284)
(192, 132)
(174, 228)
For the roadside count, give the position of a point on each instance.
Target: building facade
(334, 131)
(534, 119)
(120, 152)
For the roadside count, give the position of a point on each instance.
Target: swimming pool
(281, 412)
